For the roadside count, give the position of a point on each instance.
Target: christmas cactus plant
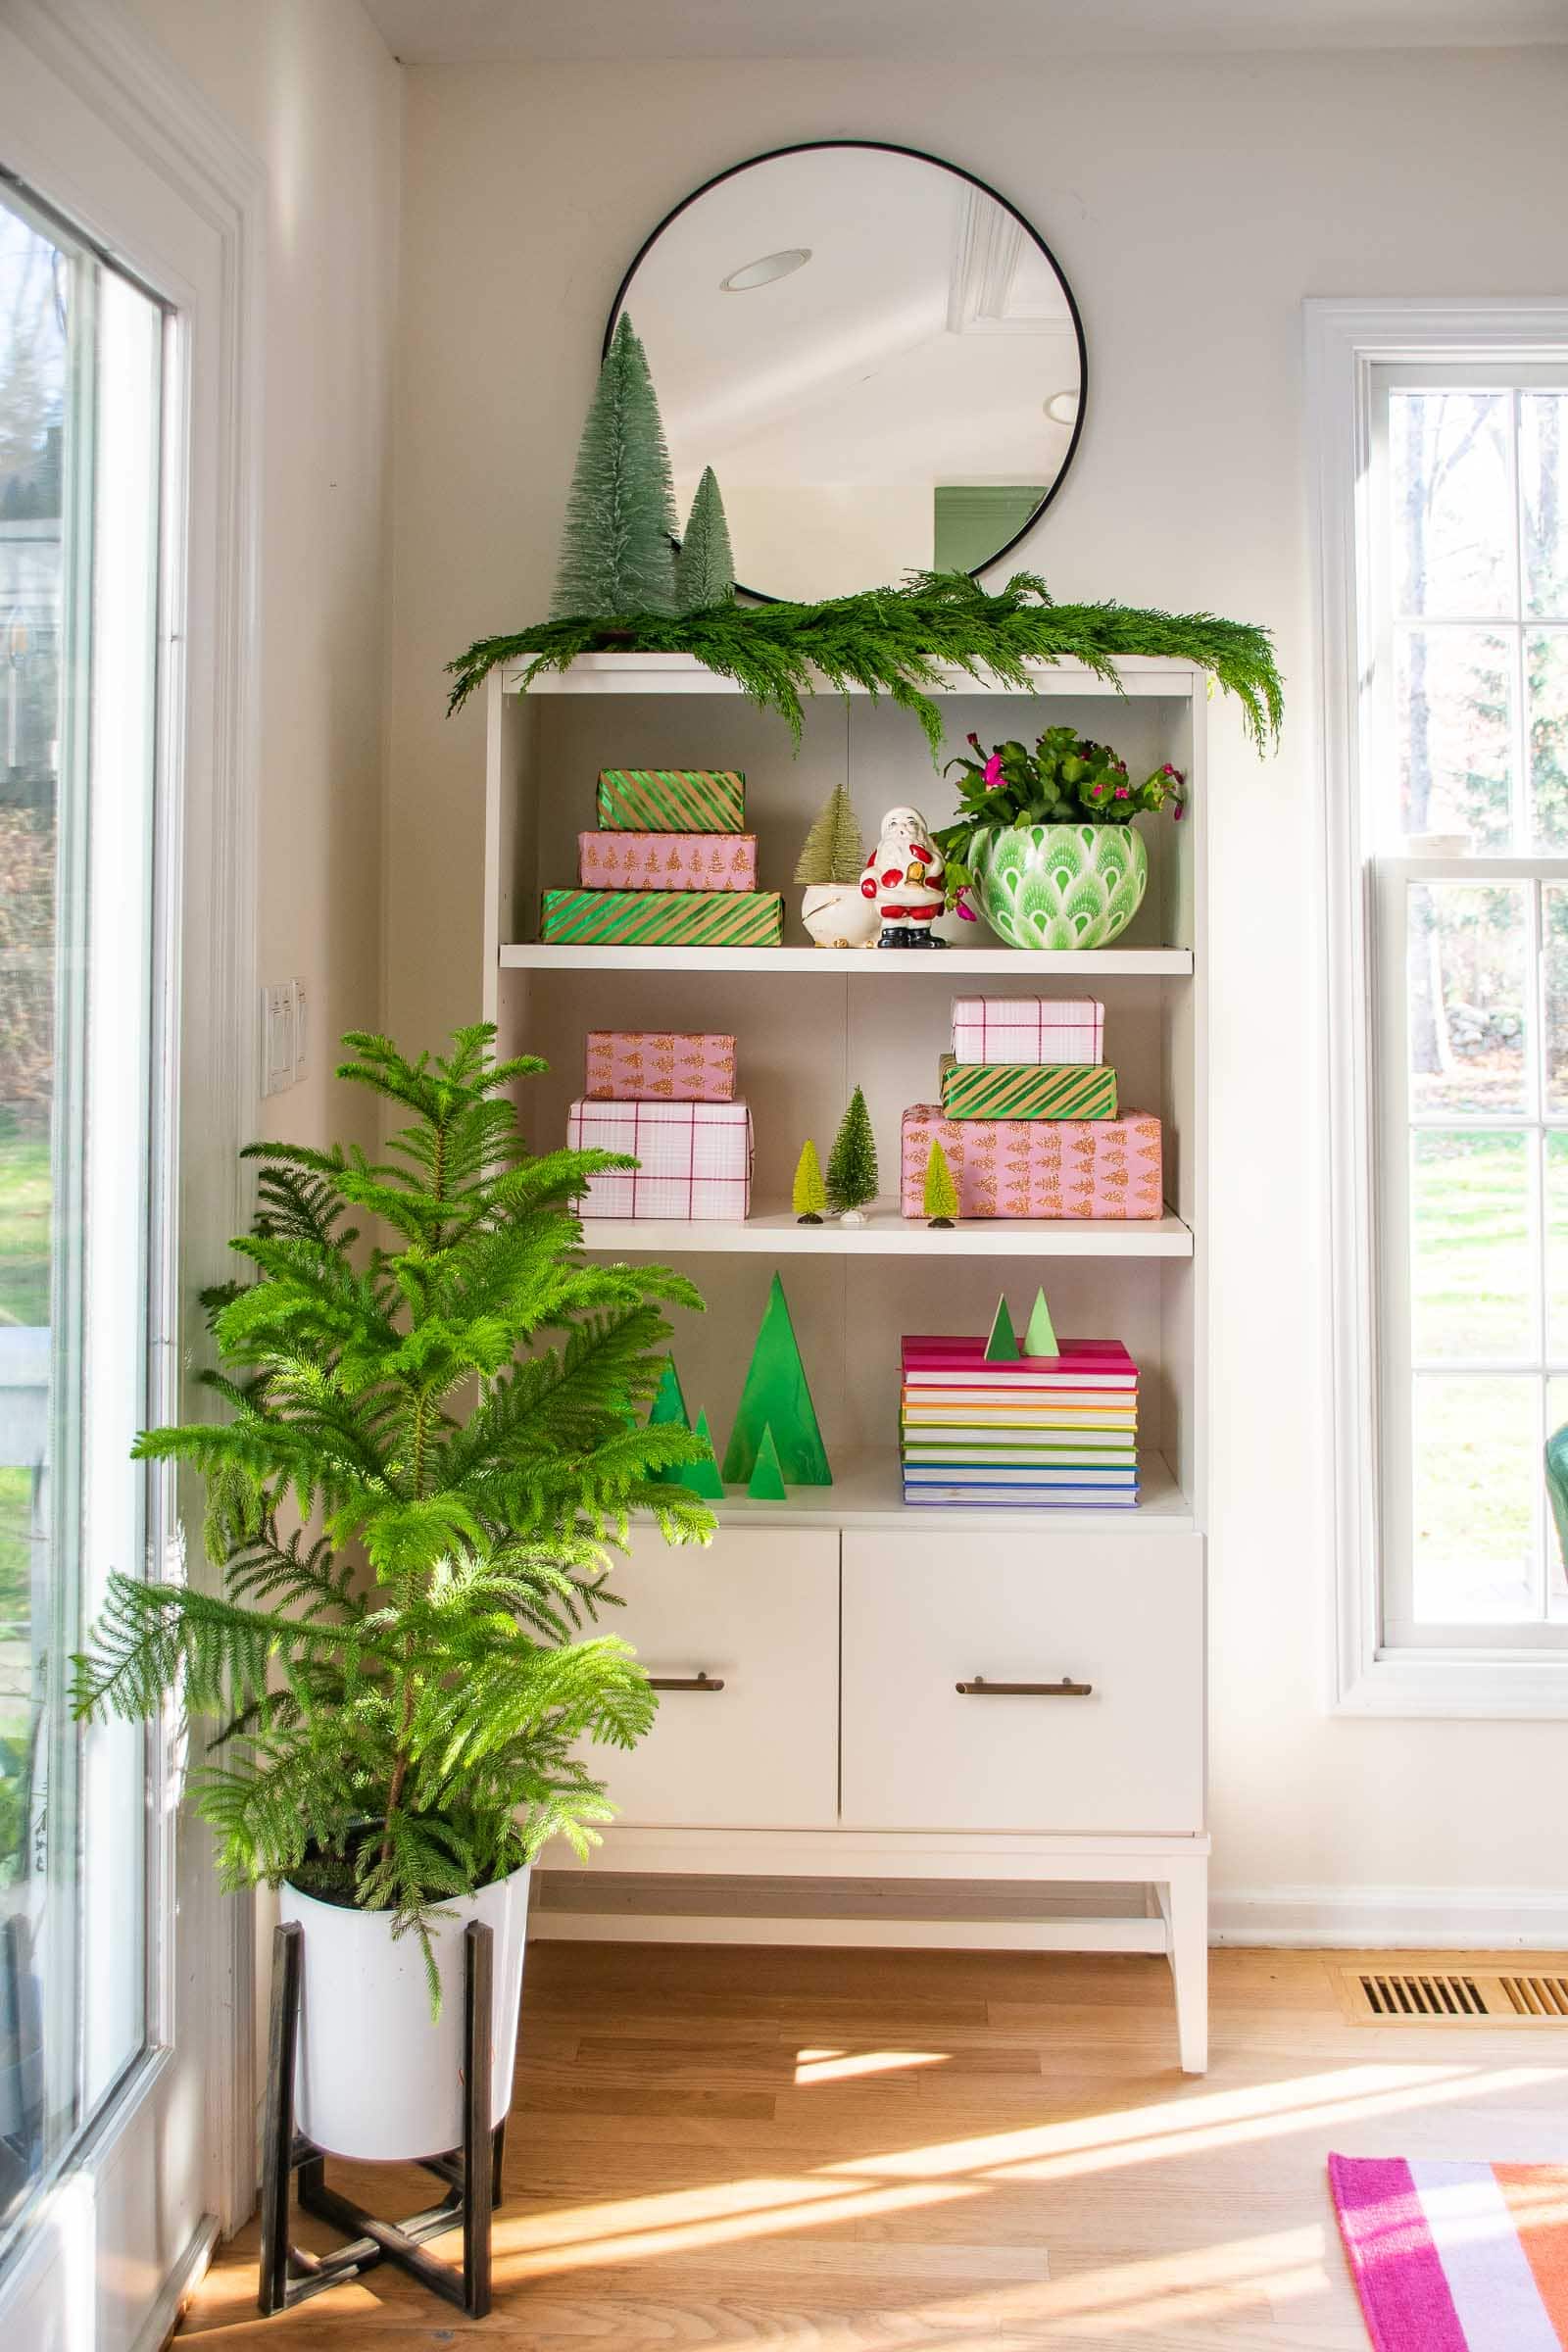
(1065, 780)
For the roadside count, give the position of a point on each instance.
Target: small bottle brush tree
(808, 1194)
(617, 544)
(851, 1171)
(833, 851)
(704, 567)
(941, 1202)
(454, 1402)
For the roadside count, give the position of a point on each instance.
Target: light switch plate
(278, 1037)
(300, 1027)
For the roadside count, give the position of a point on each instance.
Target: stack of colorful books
(1035, 1431)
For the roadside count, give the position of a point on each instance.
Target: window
(1443, 478)
(80, 418)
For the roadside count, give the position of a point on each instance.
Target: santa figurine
(905, 879)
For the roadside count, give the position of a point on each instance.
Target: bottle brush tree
(704, 567)
(458, 1402)
(851, 1171)
(940, 1198)
(617, 544)
(808, 1194)
(833, 849)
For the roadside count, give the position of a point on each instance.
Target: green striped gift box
(1045, 1090)
(672, 800)
(663, 918)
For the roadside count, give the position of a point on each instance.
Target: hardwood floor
(716, 2147)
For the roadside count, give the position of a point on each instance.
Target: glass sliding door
(83, 1128)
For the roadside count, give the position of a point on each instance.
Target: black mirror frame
(920, 155)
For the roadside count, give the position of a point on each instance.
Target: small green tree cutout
(940, 1192)
(703, 1476)
(808, 1194)
(617, 545)
(833, 849)
(1001, 1348)
(851, 1171)
(704, 567)
(768, 1479)
(1040, 1338)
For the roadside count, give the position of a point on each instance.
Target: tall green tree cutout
(704, 569)
(851, 1171)
(776, 1396)
(617, 544)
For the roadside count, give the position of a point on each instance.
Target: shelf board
(867, 1491)
(886, 1233)
(1090, 965)
(680, 673)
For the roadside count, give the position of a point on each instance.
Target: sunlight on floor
(839, 2066)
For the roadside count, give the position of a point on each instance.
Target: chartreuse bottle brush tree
(427, 1441)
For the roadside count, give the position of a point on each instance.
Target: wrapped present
(1028, 1029)
(667, 861)
(1027, 1090)
(1037, 1167)
(696, 1158)
(663, 918)
(672, 800)
(658, 1066)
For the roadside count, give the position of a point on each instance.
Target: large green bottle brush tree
(617, 545)
(398, 1685)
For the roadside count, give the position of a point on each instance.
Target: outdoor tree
(941, 1202)
(704, 567)
(617, 544)
(777, 1396)
(808, 1194)
(833, 849)
(851, 1171)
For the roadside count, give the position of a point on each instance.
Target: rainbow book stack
(1036, 1431)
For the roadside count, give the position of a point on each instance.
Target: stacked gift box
(668, 867)
(669, 1101)
(1029, 1119)
(1039, 1433)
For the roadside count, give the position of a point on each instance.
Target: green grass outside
(25, 1201)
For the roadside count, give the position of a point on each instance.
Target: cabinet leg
(1183, 1903)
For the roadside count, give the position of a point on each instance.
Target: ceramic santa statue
(905, 878)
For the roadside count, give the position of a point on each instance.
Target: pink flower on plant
(1121, 792)
(991, 774)
(966, 914)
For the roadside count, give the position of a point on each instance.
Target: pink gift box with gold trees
(658, 1066)
(667, 861)
(1037, 1167)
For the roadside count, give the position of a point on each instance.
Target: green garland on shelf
(893, 640)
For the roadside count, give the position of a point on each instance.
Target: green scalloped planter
(1060, 885)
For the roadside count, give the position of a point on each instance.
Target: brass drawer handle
(981, 1688)
(678, 1682)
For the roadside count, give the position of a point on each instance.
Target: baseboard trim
(161, 2321)
(1390, 1918)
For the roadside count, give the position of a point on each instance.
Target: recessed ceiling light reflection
(1063, 408)
(766, 271)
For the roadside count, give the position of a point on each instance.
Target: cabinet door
(1122, 1613)
(759, 1612)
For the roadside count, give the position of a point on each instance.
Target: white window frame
(1347, 342)
(95, 124)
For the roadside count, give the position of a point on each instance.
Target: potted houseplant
(428, 1439)
(1046, 838)
(830, 863)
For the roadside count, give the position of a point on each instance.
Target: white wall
(310, 86)
(1193, 204)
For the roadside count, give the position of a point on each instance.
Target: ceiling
(428, 32)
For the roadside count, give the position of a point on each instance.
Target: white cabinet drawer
(758, 1611)
(925, 1613)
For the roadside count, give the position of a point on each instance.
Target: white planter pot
(374, 2078)
(836, 916)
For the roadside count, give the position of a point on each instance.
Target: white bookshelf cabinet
(822, 1778)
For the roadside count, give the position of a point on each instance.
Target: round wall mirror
(877, 356)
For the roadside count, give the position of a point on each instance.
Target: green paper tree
(1040, 1338)
(704, 567)
(702, 1477)
(808, 1194)
(668, 1410)
(1001, 1348)
(777, 1396)
(768, 1479)
(941, 1201)
(852, 1174)
(833, 849)
(617, 546)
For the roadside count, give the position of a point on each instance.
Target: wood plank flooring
(717, 2147)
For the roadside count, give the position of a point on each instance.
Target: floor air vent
(1454, 1997)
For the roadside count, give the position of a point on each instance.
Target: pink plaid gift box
(1037, 1167)
(658, 1066)
(696, 1158)
(1031, 1029)
(667, 861)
